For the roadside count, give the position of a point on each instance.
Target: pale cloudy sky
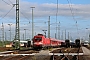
(69, 11)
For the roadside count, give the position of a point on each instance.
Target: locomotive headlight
(40, 42)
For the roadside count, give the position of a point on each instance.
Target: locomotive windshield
(38, 39)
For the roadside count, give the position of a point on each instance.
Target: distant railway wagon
(85, 43)
(23, 43)
(56, 42)
(63, 44)
(29, 43)
(40, 41)
(67, 43)
(77, 43)
(72, 44)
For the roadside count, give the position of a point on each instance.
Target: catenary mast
(17, 33)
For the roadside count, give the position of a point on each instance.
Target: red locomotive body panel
(37, 41)
(55, 42)
(40, 41)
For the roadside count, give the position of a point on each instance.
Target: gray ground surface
(86, 51)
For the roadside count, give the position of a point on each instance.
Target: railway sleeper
(75, 57)
(64, 58)
(67, 57)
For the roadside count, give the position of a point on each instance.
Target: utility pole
(65, 34)
(49, 27)
(17, 33)
(62, 35)
(35, 33)
(55, 35)
(5, 37)
(88, 35)
(25, 34)
(56, 26)
(68, 35)
(32, 23)
(56, 18)
(59, 31)
(23, 37)
(89, 38)
(2, 34)
(10, 30)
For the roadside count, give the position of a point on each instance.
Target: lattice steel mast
(17, 33)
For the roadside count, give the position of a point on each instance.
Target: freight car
(40, 41)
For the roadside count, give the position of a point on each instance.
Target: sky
(73, 16)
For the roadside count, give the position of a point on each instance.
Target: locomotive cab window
(38, 39)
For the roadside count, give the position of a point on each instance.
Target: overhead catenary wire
(39, 28)
(7, 13)
(73, 15)
(6, 2)
(10, 1)
(77, 30)
(71, 9)
(25, 16)
(11, 9)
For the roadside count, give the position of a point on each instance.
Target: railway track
(18, 55)
(68, 57)
(20, 52)
(66, 54)
(13, 57)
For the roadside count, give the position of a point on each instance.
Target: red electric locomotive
(40, 41)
